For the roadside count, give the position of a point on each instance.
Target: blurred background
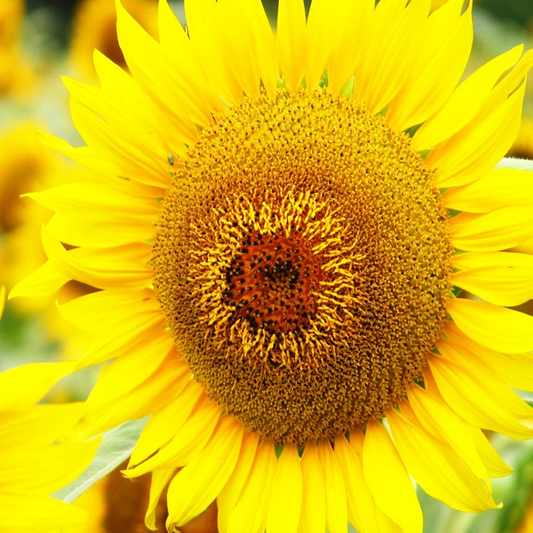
(41, 40)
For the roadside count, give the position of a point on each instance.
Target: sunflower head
(304, 302)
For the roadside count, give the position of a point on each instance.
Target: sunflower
(34, 462)
(281, 230)
(16, 74)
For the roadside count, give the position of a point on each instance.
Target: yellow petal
(164, 424)
(283, 513)
(497, 328)
(494, 464)
(160, 478)
(389, 481)
(178, 93)
(491, 232)
(196, 485)
(209, 45)
(45, 281)
(395, 41)
(480, 397)
(107, 169)
(479, 146)
(336, 506)
(118, 267)
(500, 278)
(437, 469)
(126, 373)
(444, 47)
(362, 510)
(187, 442)
(45, 470)
(443, 424)
(501, 187)
(37, 425)
(291, 39)
(465, 102)
(230, 493)
(354, 39)
(93, 312)
(157, 390)
(25, 385)
(515, 369)
(256, 493)
(324, 29)
(23, 513)
(313, 515)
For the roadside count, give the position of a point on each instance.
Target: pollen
(302, 260)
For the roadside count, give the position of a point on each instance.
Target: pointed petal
(389, 481)
(285, 504)
(497, 328)
(197, 484)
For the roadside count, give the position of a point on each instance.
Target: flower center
(302, 262)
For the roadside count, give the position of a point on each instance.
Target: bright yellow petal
(126, 373)
(443, 424)
(500, 278)
(324, 29)
(362, 510)
(25, 385)
(465, 102)
(187, 442)
(479, 146)
(291, 40)
(157, 390)
(45, 281)
(395, 41)
(231, 492)
(179, 94)
(283, 513)
(22, 513)
(494, 464)
(160, 479)
(210, 47)
(336, 506)
(481, 398)
(196, 485)
(313, 515)
(164, 424)
(351, 44)
(37, 425)
(389, 481)
(444, 48)
(255, 494)
(491, 232)
(43, 471)
(123, 266)
(515, 369)
(501, 187)
(497, 328)
(437, 469)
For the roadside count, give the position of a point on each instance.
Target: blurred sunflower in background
(17, 76)
(279, 230)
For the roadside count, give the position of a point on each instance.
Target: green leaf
(117, 445)
(518, 164)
